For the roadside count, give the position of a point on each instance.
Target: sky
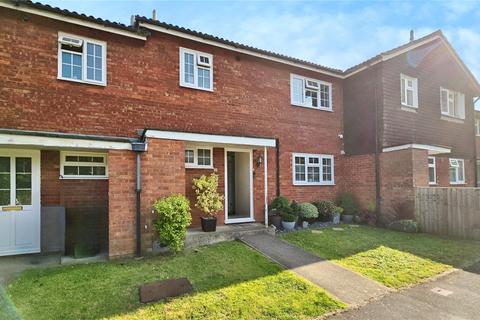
(336, 34)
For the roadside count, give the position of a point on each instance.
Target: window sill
(101, 84)
(199, 167)
(183, 85)
(306, 184)
(404, 107)
(452, 119)
(82, 178)
(314, 108)
(457, 183)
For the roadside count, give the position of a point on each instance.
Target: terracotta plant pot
(209, 224)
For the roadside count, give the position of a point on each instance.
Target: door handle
(12, 208)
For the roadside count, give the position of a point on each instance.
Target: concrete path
(12, 265)
(348, 286)
(454, 296)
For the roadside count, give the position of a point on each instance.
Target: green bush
(288, 217)
(308, 210)
(279, 203)
(209, 201)
(173, 218)
(326, 209)
(409, 226)
(295, 208)
(349, 203)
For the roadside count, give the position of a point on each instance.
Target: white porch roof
(432, 150)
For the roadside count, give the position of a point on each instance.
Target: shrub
(173, 218)
(326, 209)
(308, 210)
(288, 217)
(295, 208)
(279, 203)
(209, 201)
(409, 226)
(339, 210)
(348, 202)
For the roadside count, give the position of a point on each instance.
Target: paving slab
(453, 296)
(350, 287)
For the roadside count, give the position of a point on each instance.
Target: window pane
(71, 158)
(94, 62)
(77, 73)
(204, 78)
(66, 70)
(85, 171)
(327, 169)
(90, 73)
(204, 158)
(97, 159)
(90, 49)
(460, 171)
(188, 68)
(189, 156)
(324, 96)
(313, 174)
(410, 97)
(23, 165)
(311, 98)
(4, 181)
(99, 171)
(5, 165)
(453, 174)
(24, 197)
(70, 170)
(4, 197)
(77, 60)
(299, 168)
(431, 175)
(98, 75)
(402, 81)
(297, 90)
(85, 159)
(23, 181)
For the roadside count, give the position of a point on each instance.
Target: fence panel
(449, 211)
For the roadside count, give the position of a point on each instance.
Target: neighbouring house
(411, 111)
(102, 119)
(477, 144)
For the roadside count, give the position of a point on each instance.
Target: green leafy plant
(295, 208)
(339, 210)
(288, 217)
(349, 203)
(173, 218)
(209, 201)
(326, 209)
(279, 203)
(406, 225)
(308, 210)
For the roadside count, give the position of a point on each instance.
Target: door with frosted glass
(19, 201)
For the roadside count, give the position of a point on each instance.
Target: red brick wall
(359, 178)
(251, 96)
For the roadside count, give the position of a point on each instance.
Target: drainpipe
(277, 159)
(138, 148)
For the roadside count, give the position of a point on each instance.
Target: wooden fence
(449, 211)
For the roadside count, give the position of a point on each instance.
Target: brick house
(411, 109)
(106, 118)
(477, 144)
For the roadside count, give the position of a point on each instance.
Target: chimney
(132, 20)
(412, 35)
(154, 14)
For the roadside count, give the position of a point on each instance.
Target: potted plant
(275, 208)
(326, 210)
(209, 201)
(370, 215)
(336, 215)
(308, 212)
(288, 221)
(350, 206)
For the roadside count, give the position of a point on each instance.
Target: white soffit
(432, 150)
(210, 138)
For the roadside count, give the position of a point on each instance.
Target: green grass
(231, 281)
(395, 259)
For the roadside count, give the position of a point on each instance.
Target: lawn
(231, 281)
(395, 259)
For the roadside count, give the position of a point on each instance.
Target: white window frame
(63, 163)
(197, 65)
(195, 165)
(303, 103)
(458, 104)
(320, 157)
(457, 166)
(403, 86)
(477, 127)
(434, 166)
(84, 59)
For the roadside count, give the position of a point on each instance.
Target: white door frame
(35, 206)
(252, 214)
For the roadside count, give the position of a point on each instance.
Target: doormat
(155, 291)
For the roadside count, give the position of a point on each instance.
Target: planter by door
(347, 218)
(275, 220)
(288, 225)
(209, 224)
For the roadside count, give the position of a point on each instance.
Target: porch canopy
(222, 141)
(432, 150)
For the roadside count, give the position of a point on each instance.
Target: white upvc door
(19, 201)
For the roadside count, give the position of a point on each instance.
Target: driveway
(454, 296)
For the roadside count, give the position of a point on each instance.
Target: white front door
(19, 201)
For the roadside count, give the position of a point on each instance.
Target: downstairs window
(81, 165)
(312, 169)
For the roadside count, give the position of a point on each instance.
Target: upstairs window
(81, 60)
(409, 87)
(477, 127)
(452, 103)
(196, 69)
(432, 171)
(312, 169)
(198, 157)
(457, 171)
(310, 93)
(81, 165)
